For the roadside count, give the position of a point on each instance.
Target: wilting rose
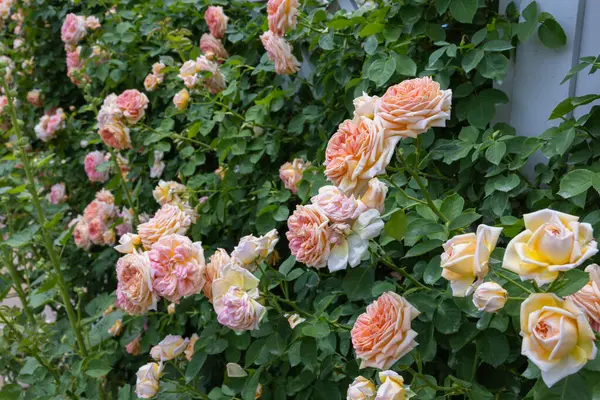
(213, 271)
(151, 82)
(588, 301)
(294, 320)
(280, 53)
(116, 329)
(81, 235)
(134, 288)
(366, 106)
(489, 297)
(147, 382)
(392, 386)
(216, 21)
(214, 81)
(557, 336)
(168, 220)
(356, 153)
(338, 207)
(177, 267)
(291, 173)
(58, 193)
(374, 197)
(34, 97)
(252, 250)
(309, 235)
(132, 104)
(235, 371)
(382, 335)
(361, 389)
(413, 106)
(169, 348)
(91, 163)
(133, 347)
(181, 99)
(73, 30)
(282, 15)
(235, 295)
(466, 258)
(551, 242)
(213, 48)
(109, 111)
(92, 23)
(115, 134)
(158, 166)
(189, 350)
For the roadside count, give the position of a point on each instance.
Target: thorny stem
(18, 284)
(403, 272)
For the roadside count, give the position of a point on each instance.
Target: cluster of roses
(205, 69)
(116, 113)
(74, 29)
(50, 124)
(154, 79)
(282, 16)
(5, 11)
(97, 166)
(101, 222)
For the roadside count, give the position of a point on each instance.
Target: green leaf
(507, 183)
(98, 368)
(317, 329)
(287, 265)
(442, 5)
(405, 65)
(433, 271)
(568, 105)
(250, 388)
(495, 152)
(551, 34)
(493, 347)
(193, 368)
(447, 318)
(497, 45)
(572, 281)
(575, 182)
(371, 29)
(472, 59)
(423, 247)
(481, 112)
(573, 387)
(436, 55)
(464, 10)
(463, 220)
(382, 70)
(358, 282)
(396, 225)
(23, 237)
(452, 206)
(494, 66)
(326, 42)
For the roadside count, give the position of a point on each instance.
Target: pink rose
(96, 229)
(177, 267)
(338, 207)
(291, 173)
(57, 194)
(109, 110)
(215, 83)
(216, 21)
(105, 196)
(383, 335)
(91, 163)
(280, 53)
(588, 300)
(73, 30)
(309, 235)
(133, 105)
(170, 219)
(34, 97)
(413, 106)
(50, 124)
(115, 134)
(134, 287)
(133, 347)
(282, 15)
(357, 152)
(92, 23)
(212, 48)
(81, 236)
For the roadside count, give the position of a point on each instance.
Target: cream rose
(366, 106)
(361, 389)
(466, 258)
(489, 297)
(213, 271)
(280, 53)
(282, 15)
(392, 387)
(413, 106)
(551, 242)
(188, 74)
(169, 348)
(181, 99)
(252, 250)
(115, 134)
(557, 336)
(147, 382)
(128, 243)
(291, 173)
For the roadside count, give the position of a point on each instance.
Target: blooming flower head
(169, 348)
(291, 173)
(52, 122)
(216, 21)
(235, 295)
(92, 161)
(34, 97)
(167, 192)
(109, 111)
(132, 104)
(151, 82)
(213, 271)
(338, 207)
(588, 301)
(177, 267)
(366, 106)
(382, 335)
(466, 258)
(81, 234)
(251, 250)
(356, 153)
(374, 197)
(551, 242)
(134, 289)
(361, 389)
(188, 74)
(73, 30)
(168, 220)
(213, 48)
(415, 105)
(92, 23)
(115, 134)
(147, 383)
(58, 193)
(282, 15)
(280, 53)
(214, 80)
(181, 99)
(557, 336)
(309, 235)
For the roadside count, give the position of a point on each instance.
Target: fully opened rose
(551, 242)
(309, 235)
(557, 336)
(168, 220)
(134, 290)
(588, 301)
(282, 15)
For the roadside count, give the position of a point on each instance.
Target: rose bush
(176, 176)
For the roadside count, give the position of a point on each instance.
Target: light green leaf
(396, 225)
(495, 152)
(371, 29)
(472, 59)
(405, 65)
(575, 182)
(463, 220)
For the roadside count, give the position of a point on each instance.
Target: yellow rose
(557, 336)
(181, 99)
(169, 348)
(392, 386)
(147, 382)
(551, 242)
(361, 389)
(466, 258)
(489, 297)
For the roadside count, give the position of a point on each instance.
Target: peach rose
(147, 382)
(374, 197)
(413, 106)
(282, 15)
(34, 97)
(151, 82)
(214, 81)
(92, 23)
(158, 68)
(361, 389)
(109, 111)
(466, 258)
(213, 48)
(132, 104)
(280, 53)
(133, 347)
(168, 220)
(91, 163)
(291, 173)
(189, 350)
(557, 336)
(235, 295)
(309, 235)
(489, 297)
(181, 99)
(177, 267)
(356, 153)
(172, 346)
(81, 235)
(216, 21)
(115, 134)
(73, 30)
(58, 193)
(52, 122)
(252, 250)
(213, 271)
(551, 242)
(382, 335)
(588, 301)
(134, 288)
(188, 74)
(338, 207)
(116, 329)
